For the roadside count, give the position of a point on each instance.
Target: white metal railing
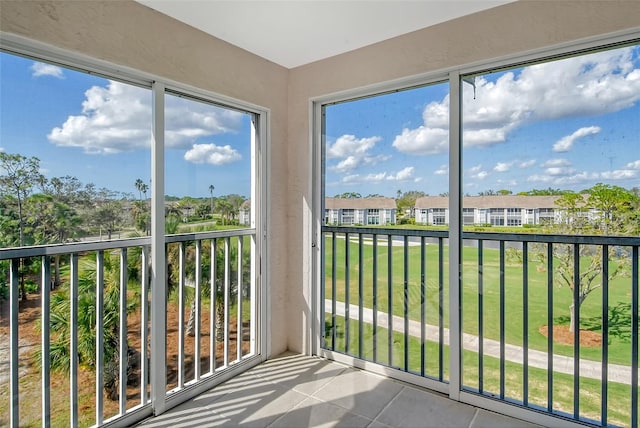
(95, 325)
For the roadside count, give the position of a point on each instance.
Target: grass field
(590, 399)
(436, 281)
(390, 293)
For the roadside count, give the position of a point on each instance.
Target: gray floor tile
(256, 406)
(487, 419)
(305, 376)
(421, 409)
(314, 413)
(359, 392)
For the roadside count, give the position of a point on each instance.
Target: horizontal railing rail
(384, 289)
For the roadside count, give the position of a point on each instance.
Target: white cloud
(566, 143)
(116, 118)
(502, 166)
(563, 175)
(349, 145)
(443, 170)
(212, 154)
(354, 152)
(587, 85)
(41, 69)
(422, 141)
(405, 174)
(527, 164)
(476, 172)
(555, 163)
(402, 175)
(634, 165)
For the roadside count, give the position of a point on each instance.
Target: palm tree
(139, 183)
(60, 325)
(211, 189)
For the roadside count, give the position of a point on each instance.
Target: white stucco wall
(506, 30)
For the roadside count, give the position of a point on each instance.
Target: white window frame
(260, 135)
(453, 76)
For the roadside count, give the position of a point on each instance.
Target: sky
(100, 132)
(566, 124)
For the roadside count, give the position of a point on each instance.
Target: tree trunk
(191, 331)
(572, 324)
(219, 321)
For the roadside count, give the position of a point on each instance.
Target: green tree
(574, 220)
(349, 195)
(19, 175)
(613, 204)
(407, 201)
(108, 216)
(60, 321)
(211, 189)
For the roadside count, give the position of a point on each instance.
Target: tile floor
(300, 391)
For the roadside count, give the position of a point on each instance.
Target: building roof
(359, 203)
(497, 201)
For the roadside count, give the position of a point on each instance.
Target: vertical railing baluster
(423, 293)
(440, 309)
(144, 326)
(239, 300)
(347, 317)
(99, 337)
(576, 331)
(181, 280)
(253, 293)
(213, 307)
(227, 296)
(525, 323)
(124, 354)
(634, 337)
(390, 299)
(405, 301)
(549, 327)
(360, 293)
(45, 292)
(375, 296)
(198, 289)
(323, 290)
(14, 361)
(502, 322)
(333, 291)
(480, 316)
(73, 345)
(605, 336)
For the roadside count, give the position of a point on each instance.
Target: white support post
(158, 258)
(73, 343)
(45, 293)
(455, 234)
(99, 337)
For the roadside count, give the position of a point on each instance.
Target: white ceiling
(294, 33)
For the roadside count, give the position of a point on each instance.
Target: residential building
(359, 211)
(244, 214)
(498, 210)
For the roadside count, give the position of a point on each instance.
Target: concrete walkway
(561, 364)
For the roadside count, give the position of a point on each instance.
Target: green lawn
(619, 295)
(619, 395)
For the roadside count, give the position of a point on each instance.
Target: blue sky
(99, 131)
(566, 124)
